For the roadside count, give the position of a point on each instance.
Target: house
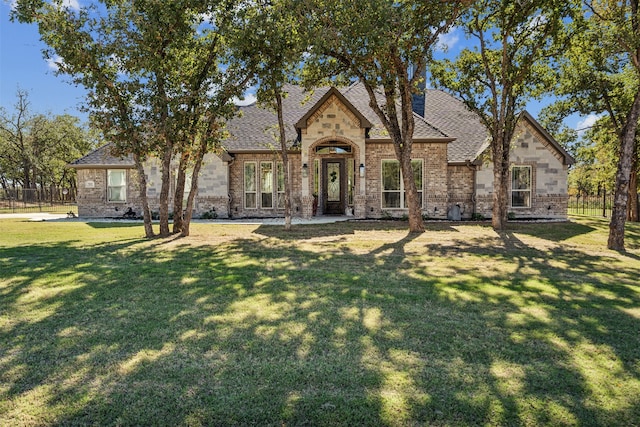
(342, 163)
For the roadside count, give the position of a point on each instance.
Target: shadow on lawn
(263, 332)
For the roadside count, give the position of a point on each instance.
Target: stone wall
(236, 185)
(460, 180)
(548, 177)
(92, 194)
(434, 195)
(212, 191)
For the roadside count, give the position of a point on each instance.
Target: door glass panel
(333, 182)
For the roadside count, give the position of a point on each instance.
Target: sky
(23, 67)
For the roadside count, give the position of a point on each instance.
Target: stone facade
(92, 191)
(549, 195)
(237, 185)
(334, 132)
(92, 194)
(460, 180)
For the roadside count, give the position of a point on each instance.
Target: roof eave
(100, 166)
(567, 158)
(415, 140)
(364, 123)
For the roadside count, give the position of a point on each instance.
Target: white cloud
(249, 99)
(586, 123)
(54, 63)
(448, 40)
(72, 4)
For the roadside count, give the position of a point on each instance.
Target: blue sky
(23, 66)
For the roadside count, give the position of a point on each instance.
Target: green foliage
(385, 46)
(35, 149)
(508, 64)
(210, 214)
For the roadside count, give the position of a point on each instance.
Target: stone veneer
(221, 184)
(549, 177)
(92, 194)
(434, 174)
(236, 185)
(212, 190)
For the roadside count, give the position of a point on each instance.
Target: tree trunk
(186, 223)
(146, 211)
(164, 191)
(632, 210)
(178, 197)
(285, 163)
(500, 212)
(627, 144)
(416, 224)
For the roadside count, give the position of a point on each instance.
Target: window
(266, 184)
(250, 187)
(351, 179)
(393, 192)
(262, 187)
(337, 149)
(280, 186)
(117, 186)
(521, 186)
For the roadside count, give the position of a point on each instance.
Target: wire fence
(27, 200)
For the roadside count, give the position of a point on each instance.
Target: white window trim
(401, 190)
(244, 184)
(124, 187)
(279, 192)
(272, 185)
(529, 190)
(276, 193)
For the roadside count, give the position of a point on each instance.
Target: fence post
(604, 203)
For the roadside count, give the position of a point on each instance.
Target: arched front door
(333, 186)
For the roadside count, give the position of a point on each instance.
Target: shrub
(210, 214)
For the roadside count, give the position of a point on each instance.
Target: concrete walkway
(62, 217)
(34, 216)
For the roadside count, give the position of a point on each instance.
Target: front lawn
(355, 323)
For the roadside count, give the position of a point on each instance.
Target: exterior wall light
(305, 170)
(361, 170)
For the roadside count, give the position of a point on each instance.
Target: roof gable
(566, 158)
(103, 157)
(333, 95)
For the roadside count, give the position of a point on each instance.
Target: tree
(271, 37)
(150, 68)
(36, 148)
(379, 43)
(508, 65)
(212, 77)
(601, 75)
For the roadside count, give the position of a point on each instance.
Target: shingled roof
(446, 118)
(254, 128)
(452, 117)
(103, 158)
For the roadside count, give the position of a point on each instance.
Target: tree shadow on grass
(263, 331)
(343, 228)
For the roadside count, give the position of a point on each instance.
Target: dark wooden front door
(333, 186)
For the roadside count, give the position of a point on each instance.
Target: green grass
(342, 324)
